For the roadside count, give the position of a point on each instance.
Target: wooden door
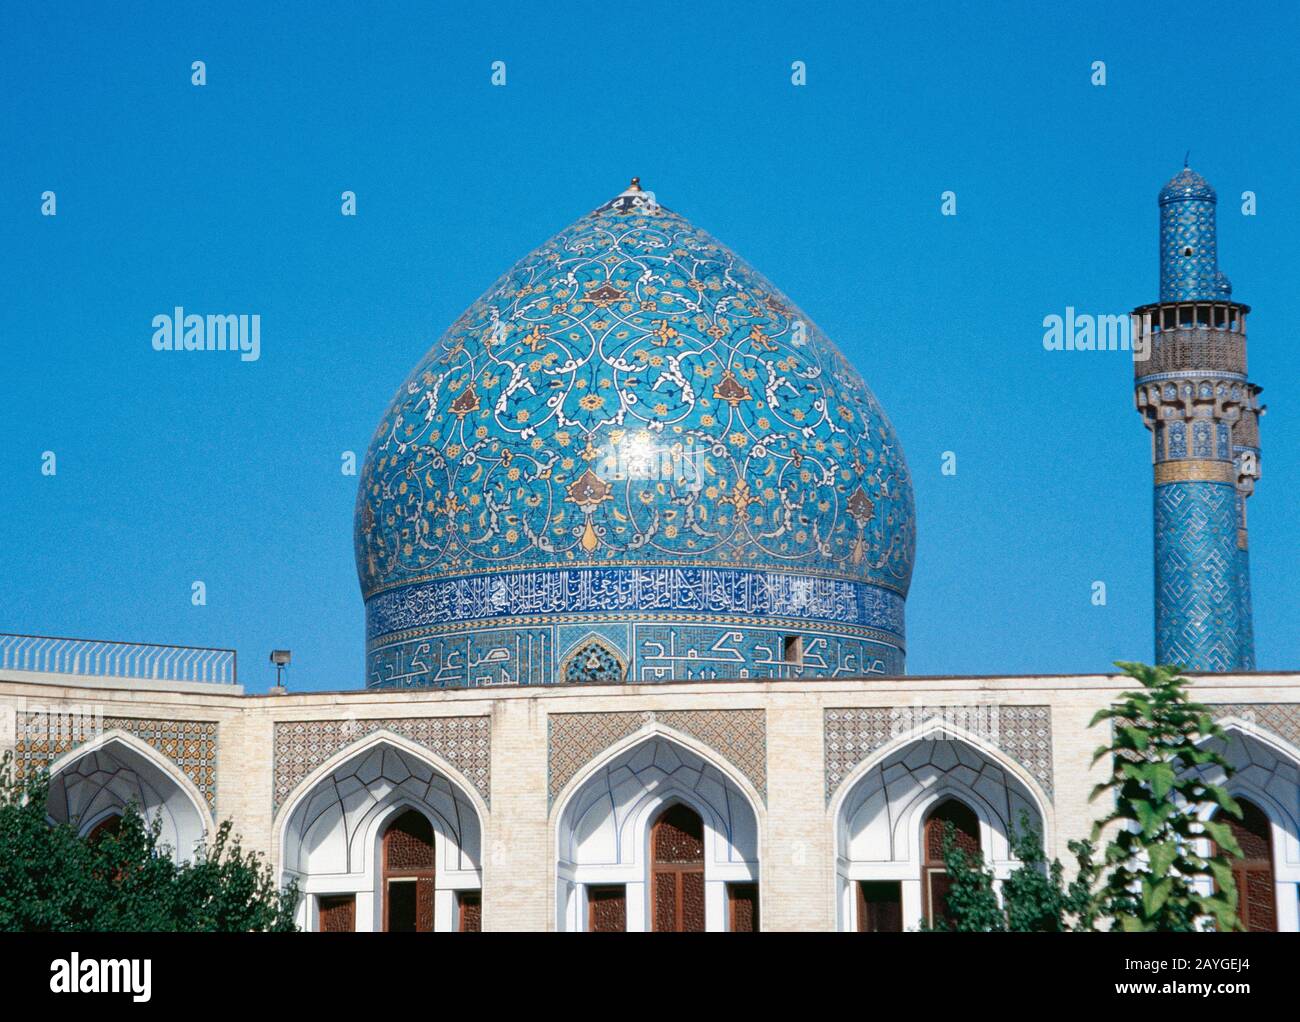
(880, 906)
(338, 913)
(934, 874)
(408, 855)
(677, 871)
(1253, 872)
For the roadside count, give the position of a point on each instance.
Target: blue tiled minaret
(1191, 388)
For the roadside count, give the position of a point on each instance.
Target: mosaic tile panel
(739, 736)
(1281, 719)
(1189, 257)
(670, 648)
(303, 745)
(853, 734)
(190, 744)
(1199, 605)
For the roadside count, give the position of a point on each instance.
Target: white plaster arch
(330, 829)
(601, 823)
(1267, 773)
(101, 777)
(878, 811)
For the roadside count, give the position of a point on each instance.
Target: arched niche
(604, 827)
(1266, 773)
(91, 785)
(882, 809)
(333, 831)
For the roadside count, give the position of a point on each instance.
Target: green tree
(51, 879)
(1160, 750)
(1035, 897)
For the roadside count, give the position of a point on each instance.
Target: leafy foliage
(1159, 758)
(51, 879)
(1161, 751)
(1035, 897)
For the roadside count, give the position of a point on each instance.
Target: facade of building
(634, 541)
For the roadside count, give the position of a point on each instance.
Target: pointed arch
(936, 728)
(330, 832)
(101, 777)
(1267, 774)
(879, 812)
(658, 729)
(364, 744)
(601, 826)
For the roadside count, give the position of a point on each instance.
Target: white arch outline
(657, 729)
(951, 732)
(362, 746)
(376, 819)
(931, 729)
(651, 803)
(131, 743)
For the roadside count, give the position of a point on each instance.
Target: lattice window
(471, 911)
(338, 913)
(934, 874)
(607, 909)
(742, 908)
(408, 856)
(1253, 872)
(677, 865)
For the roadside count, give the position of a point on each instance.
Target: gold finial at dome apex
(635, 186)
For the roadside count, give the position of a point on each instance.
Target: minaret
(1192, 391)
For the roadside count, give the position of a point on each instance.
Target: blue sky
(226, 198)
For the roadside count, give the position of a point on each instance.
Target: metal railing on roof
(49, 654)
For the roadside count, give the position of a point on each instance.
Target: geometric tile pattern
(303, 745)
(190, 744)
(1189, 258)
(575, 739)
(1198, 605)
(853, 734)
(1281, 719)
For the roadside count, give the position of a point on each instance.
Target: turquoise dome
(632, 459)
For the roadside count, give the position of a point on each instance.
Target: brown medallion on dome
(465, 402)
(605, 295)
(587, 491)
(663, 333)
(740, 497)
(730, 389)
(861, 507)
(535, 337)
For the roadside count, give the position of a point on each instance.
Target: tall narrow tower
(1192, 391)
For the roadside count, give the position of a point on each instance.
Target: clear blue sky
(226, 198)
